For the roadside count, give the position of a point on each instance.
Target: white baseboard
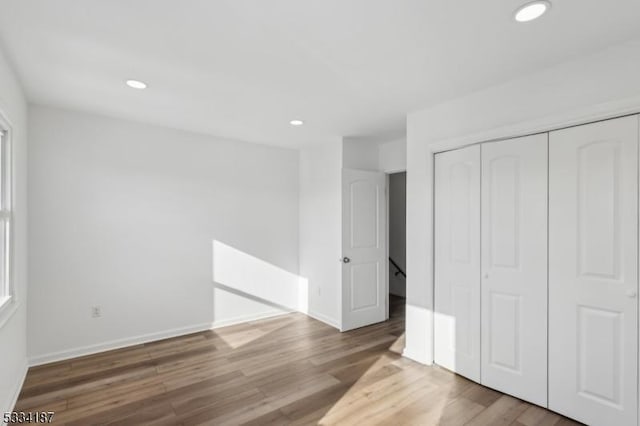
(145, 338)
(325, 319)
(136, 340)
(248, 318)
(115, 344)
(418, 337)
(17, 387)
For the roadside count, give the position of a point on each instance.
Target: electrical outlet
(96, 312)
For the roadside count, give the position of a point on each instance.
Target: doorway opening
(397, 244)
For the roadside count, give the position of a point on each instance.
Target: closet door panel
(514, 267)
(593, 266)
(457, 261)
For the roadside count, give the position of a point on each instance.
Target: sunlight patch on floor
(398, 345)
(389, 385)
(236, 336)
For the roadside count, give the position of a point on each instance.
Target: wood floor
(286, 370)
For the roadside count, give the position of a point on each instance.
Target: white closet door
(457, 261)
(593, 263)
(514, 267)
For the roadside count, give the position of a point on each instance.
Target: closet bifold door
(514, 267)
(457, 261)
(593, 272)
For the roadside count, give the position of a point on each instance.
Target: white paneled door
(457, 261)
(514, 267)
(364, 264)
(593, 265)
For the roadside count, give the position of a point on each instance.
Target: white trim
(17, 387)
(325, 319)
(395, 171)
(115, 344)
(9, 306)
(145, 338)
(598, 112)
(387, 226)
(248, 318)
(7, 309)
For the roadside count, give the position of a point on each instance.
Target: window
(6, 216)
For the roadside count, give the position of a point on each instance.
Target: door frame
(387, 193)
(386, 249)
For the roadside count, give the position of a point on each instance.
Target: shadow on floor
(285, 370)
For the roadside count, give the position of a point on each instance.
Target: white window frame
(8, 299)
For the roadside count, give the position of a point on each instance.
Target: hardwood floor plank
(460, 411)
(111, 404)
(286, 370)
(504, 411)
(481, 395)
(538, 416)
(316, 405)
(359, 399)
(228, 404)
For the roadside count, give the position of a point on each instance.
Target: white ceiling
(243, 68)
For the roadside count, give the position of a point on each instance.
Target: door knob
(346, 260)
(631, 293)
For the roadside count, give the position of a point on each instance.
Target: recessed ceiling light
(531, 11)
(136, 84)
(296, 122)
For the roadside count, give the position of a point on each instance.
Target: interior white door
(364, 268)
(457, 261)
(593, 263)
(514, 267)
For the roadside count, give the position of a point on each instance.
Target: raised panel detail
(599, 209)
(364, 214)
(505, 326)
(504, 205)
(364, 285)
(600, 355)
(460, 209)
(461, 309)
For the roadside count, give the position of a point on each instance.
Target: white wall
(321, 227)
(595, 86)
(397, 232)
(13, 326)
(392, 156)
(124, 216)
(361, 154)
(370, 154)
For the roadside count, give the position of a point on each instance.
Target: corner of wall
(418, 342)
(320, 228)
(17, 387)
(13, 333)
